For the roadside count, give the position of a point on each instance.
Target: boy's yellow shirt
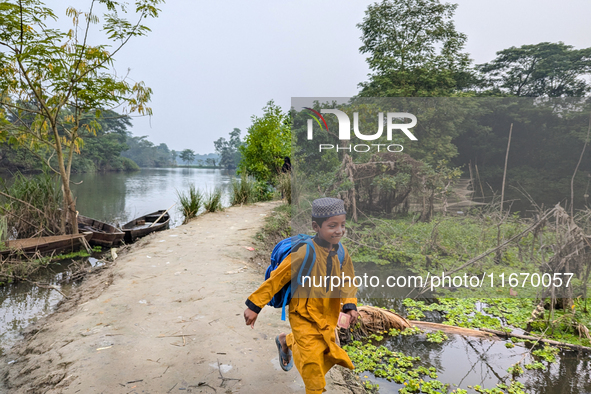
(316, 305)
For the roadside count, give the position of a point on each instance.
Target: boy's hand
(250, 317)
(354, 315)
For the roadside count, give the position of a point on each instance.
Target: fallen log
(539, 339)
(452, 329)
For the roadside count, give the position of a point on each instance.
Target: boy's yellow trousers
(313, 319)
(314, 348)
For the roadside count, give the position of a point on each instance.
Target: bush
(263, 191)
(190, 202)
(213, 200)
(268, 141)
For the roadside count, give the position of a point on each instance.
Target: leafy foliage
(51, 80)
(267, 143)
(229, 150)
(541, 70)
(145, 154)
(187, 155)
(414, 49)
(246, 190)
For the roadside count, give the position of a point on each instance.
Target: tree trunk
(69, 216)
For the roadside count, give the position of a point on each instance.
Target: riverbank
(166, 317)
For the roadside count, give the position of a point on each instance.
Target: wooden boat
(143, 225)
(46, 245)
(103, 234)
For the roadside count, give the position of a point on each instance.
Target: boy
(315, 306)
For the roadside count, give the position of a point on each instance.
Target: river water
(113, 197)
(119, 197)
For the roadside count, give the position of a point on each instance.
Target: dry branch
(538, 339)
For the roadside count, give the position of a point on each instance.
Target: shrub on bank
(190, 202)
(213, 200)
(247, 190)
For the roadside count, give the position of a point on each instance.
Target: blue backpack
(280, 252)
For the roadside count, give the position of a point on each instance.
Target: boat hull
(46, 245)
(103, 234)
(142, 226)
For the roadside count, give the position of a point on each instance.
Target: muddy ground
(165, 318)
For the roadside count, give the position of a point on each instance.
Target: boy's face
(332, 229)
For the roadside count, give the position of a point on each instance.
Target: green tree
(541, 70)
(229, 150)
(173, 155)
(414, 50)
(268, 141)
(104, 143)
(55, 78)
(187, 155)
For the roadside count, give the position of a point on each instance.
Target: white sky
(214, 64)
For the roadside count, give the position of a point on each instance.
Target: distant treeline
(104, 138)
(108, 147)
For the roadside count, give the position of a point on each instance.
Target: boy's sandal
(283, 356)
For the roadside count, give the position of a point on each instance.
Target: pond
(463, 360)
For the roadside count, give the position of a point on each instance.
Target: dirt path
(167, 318)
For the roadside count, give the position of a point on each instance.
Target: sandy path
(162, 319)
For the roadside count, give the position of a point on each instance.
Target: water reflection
(464, 361)
(23, 303)
(120, 197)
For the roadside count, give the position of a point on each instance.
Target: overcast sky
(214, 64)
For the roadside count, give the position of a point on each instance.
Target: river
(118, 197)
(113, 197)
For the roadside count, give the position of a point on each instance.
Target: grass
(31, 205)
(3, 231)
(213, 200)
(277, 226)
(243, 190)
(285, 186)
(190, 203)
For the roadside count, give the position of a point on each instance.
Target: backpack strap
(286, 298)
(309, 260)
(306, 267)
(341, 254)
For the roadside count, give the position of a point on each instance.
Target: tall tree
(414, 49)
(187, 155)
(229, 150)
(57, 77)
(541, 70)
(268, 141)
